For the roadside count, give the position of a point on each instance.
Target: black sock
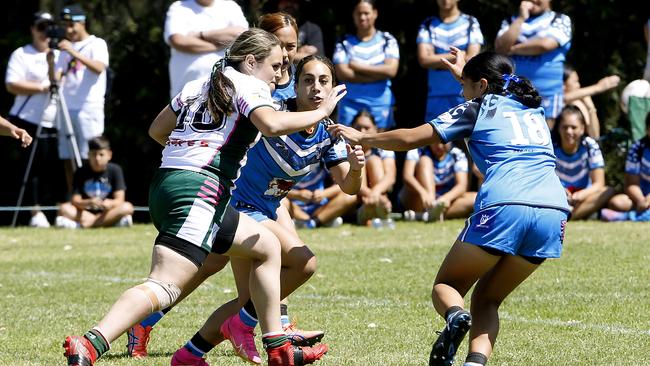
(201, 344)
(250, 309)
(317, 222)
(98, 341)
(166, 310)
(452, 310)
(284, 309)
(477, 357)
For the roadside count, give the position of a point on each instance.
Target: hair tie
(226, 56)
(508, 78)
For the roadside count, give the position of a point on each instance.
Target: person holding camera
(83, 63)
(27, 79)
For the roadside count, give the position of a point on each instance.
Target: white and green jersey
(215, 148)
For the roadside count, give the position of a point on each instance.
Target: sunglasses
(42, 27)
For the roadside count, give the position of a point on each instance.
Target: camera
(55, 33)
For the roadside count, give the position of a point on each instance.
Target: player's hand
(456, 67)
(317, 196)
(304, 195)
(608, 82)
(444, 201)
(578, 197)
(22, 135)
(356, 157)
(524, 9)
(352, 136)
(330, 100)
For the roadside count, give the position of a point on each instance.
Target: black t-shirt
(91, 184)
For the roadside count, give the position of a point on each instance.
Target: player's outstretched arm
(402, 139)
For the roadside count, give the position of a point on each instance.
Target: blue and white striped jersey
(460, 33)
(574, 169)
(444, 169)
(511, 145)
(373, 52)
(545, 70)
(383, 154)
(638, 163)
(286, 91)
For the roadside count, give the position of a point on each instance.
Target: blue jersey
(444, 169)
(460, 33)
(286, 91)
(511, 146)
(383, 154)
(313, 181)
(545, 70)
(276, 164)
(638, 163)
(573, 169)
(375, 51)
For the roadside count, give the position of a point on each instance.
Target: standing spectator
(575, 94)
(27, 78)
(538, 39)
(450, 28)
(580, 165)
(310, 35)
(367, 61)
(83, 64)
(98, 192)
(198, 33)
(646, 33)
(10, 130)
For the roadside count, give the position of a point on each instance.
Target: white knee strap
(160, 294)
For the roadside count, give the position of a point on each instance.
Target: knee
(126, 208)
(304, 261)
(67, 209)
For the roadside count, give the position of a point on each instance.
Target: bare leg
(461, 206)
(337, 206)
(592, 203)
(490, 291)
(110, 217)
(621, 203)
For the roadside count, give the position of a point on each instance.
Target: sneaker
(434, 213)
(289, 355)
(242, 338)
(409, 215)
(299, 337)
(66, 223)
(445, 347)
(138, 340)
(305, 224)
(39, 220)
(611, 215)
(79, 351)
(125, 221)
(183, 357)
(338, 221)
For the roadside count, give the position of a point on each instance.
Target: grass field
(371, 295)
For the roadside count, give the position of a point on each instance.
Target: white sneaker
(338, 221)
(39, 220)
(125, 221)
(409, 215)
(66, 223)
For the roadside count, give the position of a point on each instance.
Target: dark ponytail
(498, 71)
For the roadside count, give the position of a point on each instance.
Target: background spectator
(310, 35)
(575, 94)
(27, 79)
(646, 33)
(435, 181)
(198, 31)
(580, 165)
(83, 63)
(537, 39)
(450, 28)
(98, 192)
(365, 62)
(10, 130)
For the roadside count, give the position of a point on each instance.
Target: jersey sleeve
(237, 18)
(117, 175)
(505, 24)
(424, 33)
(175, 20)
(413, 155)
(16, 70)
(340, 53)
(78, 181)
(251, 94)
(595, 158)
(460, 160)
(335, 154)
(475, 34)
(392, 48)
(99, 51)
(633, 161)
(190, 91)
(458, 122)
(560, 29)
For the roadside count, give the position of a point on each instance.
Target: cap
(73, 13)
(42, 17)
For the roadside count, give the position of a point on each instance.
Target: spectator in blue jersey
(635, 203)
(436, 178)
(366, 61)
(450, 28)
(515, 227)
(381, 174)
(580, 165)
(538, 40)
(313, 203)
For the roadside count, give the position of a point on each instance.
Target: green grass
(371, 295)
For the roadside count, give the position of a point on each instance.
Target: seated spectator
(579, 96)
(98, 192)
(635, 203)
(580, 165)
(312, 204)
(435, 184)
(381, 173)
(310, 34)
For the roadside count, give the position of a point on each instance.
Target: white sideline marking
(616, 329)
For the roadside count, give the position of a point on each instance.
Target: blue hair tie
(508, 78)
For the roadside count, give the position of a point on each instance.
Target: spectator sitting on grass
(98, 192)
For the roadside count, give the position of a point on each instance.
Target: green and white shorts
(189, 209)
